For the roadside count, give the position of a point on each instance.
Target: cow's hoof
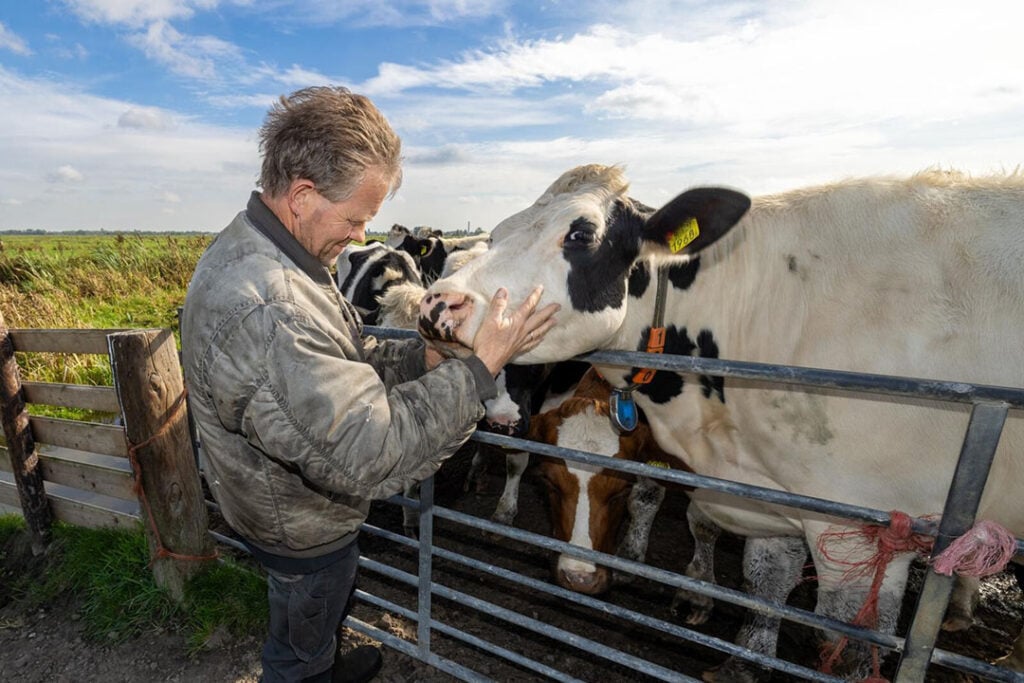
(957, 622)
(621, 578)
(1013, 661)
(691, 609)
(736, 670)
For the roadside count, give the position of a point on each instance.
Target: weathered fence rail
(105, 475)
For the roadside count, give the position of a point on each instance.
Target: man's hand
(501, 337)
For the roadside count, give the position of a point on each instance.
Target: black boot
(358, 666)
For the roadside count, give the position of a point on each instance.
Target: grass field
(97, 281)
(116, 280)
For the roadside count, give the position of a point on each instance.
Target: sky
(143, 114)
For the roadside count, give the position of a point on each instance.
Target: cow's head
(580, 240)
(587, 503)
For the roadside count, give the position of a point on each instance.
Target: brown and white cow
(587, 503)
(920, 276)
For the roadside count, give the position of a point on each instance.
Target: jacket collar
(264, 220)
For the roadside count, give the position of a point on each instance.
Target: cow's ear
(695, 220)
(541, 426)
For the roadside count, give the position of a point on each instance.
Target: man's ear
(300, 191)
(694, 220)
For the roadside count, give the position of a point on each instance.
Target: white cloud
(855, 63)
(168, 197)
(136, 12)
(10, 202)
(146, 118)
(214, 166)
(11, 41)
(396, 13)
(65, 174)
(197, 57)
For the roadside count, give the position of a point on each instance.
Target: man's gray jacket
(301, 421)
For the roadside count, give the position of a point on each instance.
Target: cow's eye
(581, 233)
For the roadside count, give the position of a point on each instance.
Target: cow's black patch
(356, 260)
(667, 385)
(682, 275)
(709, 349)
(639, 280)
(599, 264)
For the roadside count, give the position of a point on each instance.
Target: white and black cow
(365, 274)
(920, 276)
(430, 251)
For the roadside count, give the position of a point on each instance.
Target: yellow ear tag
(683, 235)
(659, 463)
(423, 250)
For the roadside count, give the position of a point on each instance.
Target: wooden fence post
(21, 446)
(151, 391)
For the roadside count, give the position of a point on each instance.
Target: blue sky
(142, 114)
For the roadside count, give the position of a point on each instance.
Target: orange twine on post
(985, 549)
(161, 549)
(898, 537)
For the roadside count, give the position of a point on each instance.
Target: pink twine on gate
(983, 550)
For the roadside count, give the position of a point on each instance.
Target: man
(303, 421)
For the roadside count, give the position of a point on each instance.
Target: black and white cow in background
(432, 251)
(365, 274)
(919, 276)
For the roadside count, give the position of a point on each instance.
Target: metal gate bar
(626, 614)
(513, 617)
(962, 501)
(484, 645)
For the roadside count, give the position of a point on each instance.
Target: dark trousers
(306, 611)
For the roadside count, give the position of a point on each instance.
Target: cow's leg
(508, 504)
(410, 517)
(841, 597)
(962, 603)
(475, 479)
(702, 566)
(772, 567)
(645, 499)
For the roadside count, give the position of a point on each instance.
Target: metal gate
(990, 406)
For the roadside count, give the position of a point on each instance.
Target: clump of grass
(106, 572)
(229, 596)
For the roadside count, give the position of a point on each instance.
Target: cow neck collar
(623, 413)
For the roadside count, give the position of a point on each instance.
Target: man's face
(324, 228)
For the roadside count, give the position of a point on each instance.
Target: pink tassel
(984, 550)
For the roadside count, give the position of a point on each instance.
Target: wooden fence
(106, 475)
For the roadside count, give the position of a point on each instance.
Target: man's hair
(328, 135)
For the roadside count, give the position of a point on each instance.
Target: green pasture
(115, 280)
